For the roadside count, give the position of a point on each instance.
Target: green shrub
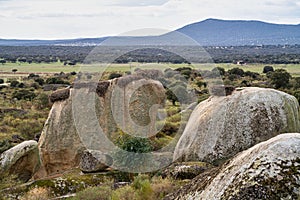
(162, 187)
(14, 84)
(94, 193)
(236, 71)
(135, 144)
(170, 127)
(172, 110)
(24, 94)
(124, 193)
(114, 75)
(5, 145)
(142, 185)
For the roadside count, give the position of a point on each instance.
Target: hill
(213, 32)
(210, 32)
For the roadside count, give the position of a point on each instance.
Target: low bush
(94, 193)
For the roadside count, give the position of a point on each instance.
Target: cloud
(136, 3)
(94, 18)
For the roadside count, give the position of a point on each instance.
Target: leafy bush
(40, 81)
(142, 185)
(219, 70)
(236, 71)
(42, 101)
(135, 144)
(114, 75)
(54, 80)
(14, 84)
(268, 69)
(280, 78)
(162, 187)
(94, 193)
(5, 145)
(24, 94)
(124, 193)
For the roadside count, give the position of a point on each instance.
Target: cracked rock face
(269, 170)
(222, 126)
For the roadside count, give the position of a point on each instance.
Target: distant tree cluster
(71, 55)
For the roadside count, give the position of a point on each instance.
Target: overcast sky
(53, 19)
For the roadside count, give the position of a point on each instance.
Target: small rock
(185, 170)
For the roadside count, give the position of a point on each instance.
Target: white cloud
(94, 18)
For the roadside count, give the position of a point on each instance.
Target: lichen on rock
(269, 170)
(222, 126)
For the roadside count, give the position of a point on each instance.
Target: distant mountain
(228, 32)
(210, 32)
(67, 42)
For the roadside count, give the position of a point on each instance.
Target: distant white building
(241, 63)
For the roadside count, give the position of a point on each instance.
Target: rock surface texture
(22, 160)
(90, 112)
(222, 126)
(269, 170)
(94, 161)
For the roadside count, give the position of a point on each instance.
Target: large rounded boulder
(222, 126)
(83, 116)
(269, 170)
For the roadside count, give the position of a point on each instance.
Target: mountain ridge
(209, 32)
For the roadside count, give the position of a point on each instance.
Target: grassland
(24, 68)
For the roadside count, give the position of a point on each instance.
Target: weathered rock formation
(21, 160)
(222, 126)
(269, 170)
(80, 115)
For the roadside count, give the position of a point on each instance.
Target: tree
(171, 96)
(280, 78)
(40, 81)
(1, 81)
(268, 69)
(236, 71)
(114, 75)
(177, 93)
(219, 70)
(14, 84)
(24, 94)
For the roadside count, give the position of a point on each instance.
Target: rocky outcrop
(269, 170)
(81, 114)
(94, 161)
(222, 126)
(22, 160)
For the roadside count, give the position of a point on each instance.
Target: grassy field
(25, 68)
